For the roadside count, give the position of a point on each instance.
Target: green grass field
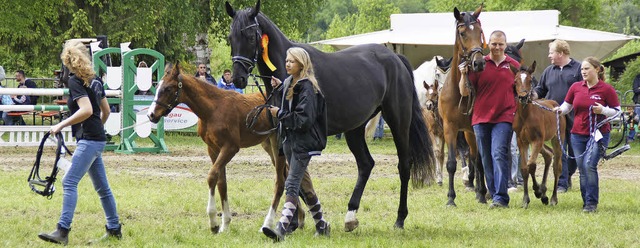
(162, 201)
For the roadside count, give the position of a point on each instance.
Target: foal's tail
(421, 158)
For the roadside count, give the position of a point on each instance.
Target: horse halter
(247, 63)
(169, 107)
(524, 99)
(467, 55)
(35, 182)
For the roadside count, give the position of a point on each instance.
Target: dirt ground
(194, 162)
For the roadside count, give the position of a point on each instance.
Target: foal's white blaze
(152, 107)
(351, 216)
(211, 211)
(523, 76)
(268, 221)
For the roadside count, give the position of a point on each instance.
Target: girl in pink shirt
(592, 101)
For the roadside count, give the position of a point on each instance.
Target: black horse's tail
(421, 158)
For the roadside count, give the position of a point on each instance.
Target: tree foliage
(32, 32)
(293, 17)
(371, 15)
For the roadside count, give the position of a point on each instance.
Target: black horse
(357, 82)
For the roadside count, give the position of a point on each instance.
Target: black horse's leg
(358, 146)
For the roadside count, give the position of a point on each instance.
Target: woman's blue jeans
(588, 165)
(494, 140)
(297, 167)
(87, 158)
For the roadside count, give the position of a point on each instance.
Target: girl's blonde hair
(302, 56)
(75, 56)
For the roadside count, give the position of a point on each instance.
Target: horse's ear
(425, 85)
(520, 44)
(447, 62)
(175, 71)
(456, 14)
(513, 69)
(255, 11)
(476, 13)
(532, 68)
(230, 11)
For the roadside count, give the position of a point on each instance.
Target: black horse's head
(523, 82)
(443, 64)
(470, 38)
(513, 51)
(245, 37)
(167, 93)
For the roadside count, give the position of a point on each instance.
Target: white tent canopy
(422, 36)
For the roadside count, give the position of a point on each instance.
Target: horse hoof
(215, 229)
(537, 194)
(553, 203)
(451, 203)
(469, 189)
(525, 205)
(545, 200)
(351, 225)
(481, 198)
(399, 226)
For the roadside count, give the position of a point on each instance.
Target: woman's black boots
(115, 233)
(59, 236)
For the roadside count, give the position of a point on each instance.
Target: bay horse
(222, 126)
(455, 109)
(357, 82)
(534, 124)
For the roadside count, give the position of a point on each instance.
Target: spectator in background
(226, 83)
(202, 74)
(2, 75)
(22, 80)
(632, 122)
(636, 93)
(16, 100)
(554, 84)
(3, 98)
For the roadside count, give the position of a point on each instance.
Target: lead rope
(593, 126)
(252, 116)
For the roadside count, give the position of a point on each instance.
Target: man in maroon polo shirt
(493, 114)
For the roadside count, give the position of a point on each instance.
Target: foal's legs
(271, 147)
(524, 169)
(557, 169)
(535, 150)
(546, 154)
(217, 177)
(438, 151)
(358, 146)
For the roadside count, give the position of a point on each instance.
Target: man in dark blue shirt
(23, 81)
(554, 84)
(202, 74)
